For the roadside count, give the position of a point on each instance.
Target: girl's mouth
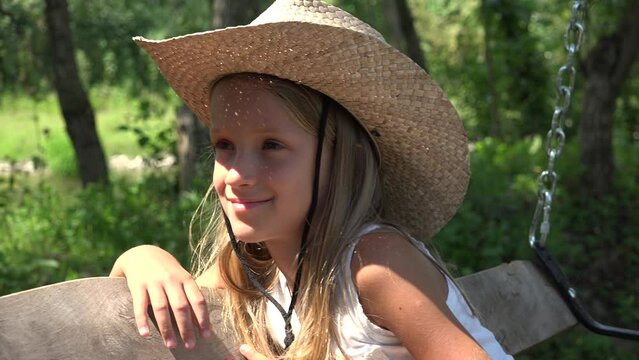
(246, 204)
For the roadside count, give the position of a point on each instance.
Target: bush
(50, 237)
(496, 213)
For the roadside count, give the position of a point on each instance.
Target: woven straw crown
(422, 142)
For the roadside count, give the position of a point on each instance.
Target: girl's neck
(285, 257)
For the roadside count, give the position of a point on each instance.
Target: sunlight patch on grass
(35, 128)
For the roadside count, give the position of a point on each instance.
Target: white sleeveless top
(358, 336)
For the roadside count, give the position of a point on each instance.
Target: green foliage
(367, 10)
(459, 36)
(22, 42)
(51, 236)
(152, 126)
(580, 344)
(494, 218)
(102, 33)
(153, 144)
(519, 64)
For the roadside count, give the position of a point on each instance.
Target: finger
(140, 307)
(182, 313)
(161, 310)
(198, 305)
(250, 353)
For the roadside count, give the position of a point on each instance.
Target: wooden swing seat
(93, 318)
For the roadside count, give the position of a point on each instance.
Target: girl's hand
(250, 353)
(155, 277)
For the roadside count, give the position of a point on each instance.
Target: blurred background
(98, 155)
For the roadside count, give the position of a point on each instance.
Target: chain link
(556, 137)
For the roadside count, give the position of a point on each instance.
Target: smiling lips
(246, 204)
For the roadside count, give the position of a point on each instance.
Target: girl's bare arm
(403, 291)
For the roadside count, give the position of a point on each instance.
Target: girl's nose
(243, 172)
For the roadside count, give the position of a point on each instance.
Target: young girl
(331, 147)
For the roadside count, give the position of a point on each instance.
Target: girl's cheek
(218, 179)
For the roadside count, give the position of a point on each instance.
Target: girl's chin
(246, 234)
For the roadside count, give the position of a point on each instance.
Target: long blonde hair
(352, 198)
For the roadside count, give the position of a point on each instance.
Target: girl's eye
(272, 145)
(223, 145)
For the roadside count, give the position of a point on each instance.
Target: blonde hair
(352, 198)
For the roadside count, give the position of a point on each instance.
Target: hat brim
(422, 142)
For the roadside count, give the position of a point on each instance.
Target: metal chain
(555, 140)
(556, 137)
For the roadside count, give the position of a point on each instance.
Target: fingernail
(189, 344)
(206, 333)
(244, 349)
(170, 343)
(143, 330)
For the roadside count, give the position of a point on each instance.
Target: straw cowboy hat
(422, 142)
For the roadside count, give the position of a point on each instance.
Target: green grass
(21, 124)
(35, 127)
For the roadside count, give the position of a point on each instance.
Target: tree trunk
(76, 108)
(401, 30)
(193, 136)
(607, 67)
(233, 12)
(192, 142)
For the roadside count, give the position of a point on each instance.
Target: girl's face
(264, 163)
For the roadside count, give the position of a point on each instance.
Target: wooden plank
(88, 319)
(93, 318)
(518, 304)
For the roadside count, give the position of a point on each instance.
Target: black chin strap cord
(287, 315)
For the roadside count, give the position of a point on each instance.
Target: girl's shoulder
(385, 254)
(401, 288)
